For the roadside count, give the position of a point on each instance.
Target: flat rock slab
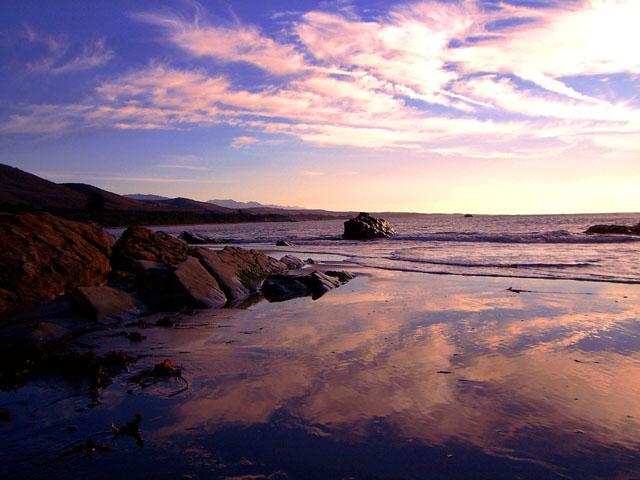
(200, 289)
(97, 303)
(292, 262)
(239, 272)
(170, 287)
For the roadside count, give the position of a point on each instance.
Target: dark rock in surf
(138, 243)
(277, 288)
(44, 256)
(615, 229)
(366, 227)
(195, 238)
(282, 243)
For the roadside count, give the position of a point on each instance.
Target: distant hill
(194, 205)
(234, 204)
(22, 188)
(21, 191)
(112, 201)
(144, 196)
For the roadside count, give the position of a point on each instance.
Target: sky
(480, 106)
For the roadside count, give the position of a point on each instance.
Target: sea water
(525, 246)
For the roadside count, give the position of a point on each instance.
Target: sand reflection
(434, 360)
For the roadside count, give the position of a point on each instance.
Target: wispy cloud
(239, 142)
(59, 59)
(425, 77)
(185, 167)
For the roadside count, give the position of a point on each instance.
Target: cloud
(410, 80)
(240, 142)
(58, 61)
(185, 167)
(231, 44)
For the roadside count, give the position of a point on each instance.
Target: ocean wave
(470, 264)
(539, 276)
(559, 236)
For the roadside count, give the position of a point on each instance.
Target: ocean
(520, 246)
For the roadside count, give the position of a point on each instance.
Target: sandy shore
(396, 375)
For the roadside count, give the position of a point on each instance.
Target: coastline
(471, 376)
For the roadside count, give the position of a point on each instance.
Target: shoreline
(404, 361)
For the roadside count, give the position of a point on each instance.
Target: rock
(198, 286)
(96, 303)
(310, 261)
(467, 215)
(282, 243)
(365, 227)
(170, 287)
(44, 256)
(137, 243)
(239, 272)
(615, 229)
(6, 415)
(195, 238)
(280, 287)
(292, 262)
(344, 277)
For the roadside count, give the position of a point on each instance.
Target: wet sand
(394, 375)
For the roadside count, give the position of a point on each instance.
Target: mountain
(194, 205)
(145, 196)
(22, 188)
(234, 204)
(112, 201)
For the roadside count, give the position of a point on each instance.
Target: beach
(394, 375)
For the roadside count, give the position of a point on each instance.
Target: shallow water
(516, 246)
(395, 375)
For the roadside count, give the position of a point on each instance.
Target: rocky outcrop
(97, 303)
(196, 238)
(280, 287)
(292, 262)
(239, 272)
(615, 229)
(171, 287)
(44, 256)
(138, 243)
(366, 227)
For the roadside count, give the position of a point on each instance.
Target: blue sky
(482, 106)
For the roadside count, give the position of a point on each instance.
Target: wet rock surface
(195, 238)
(138, 243)
(44, 256)
(239, 272)
(615, 229)
(281, 287)
(292, 262)
(366, 227)
(99, 302)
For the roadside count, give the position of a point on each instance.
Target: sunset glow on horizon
(480, 106)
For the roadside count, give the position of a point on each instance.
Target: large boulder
(615, 229)
(138, 243)
(280, 287)
(366, 227)
(239, 272)
(170, 287)
(96, 303)
(44, 256)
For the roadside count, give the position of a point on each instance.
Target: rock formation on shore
(615, 229)
(366, 227)
(44, 256)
